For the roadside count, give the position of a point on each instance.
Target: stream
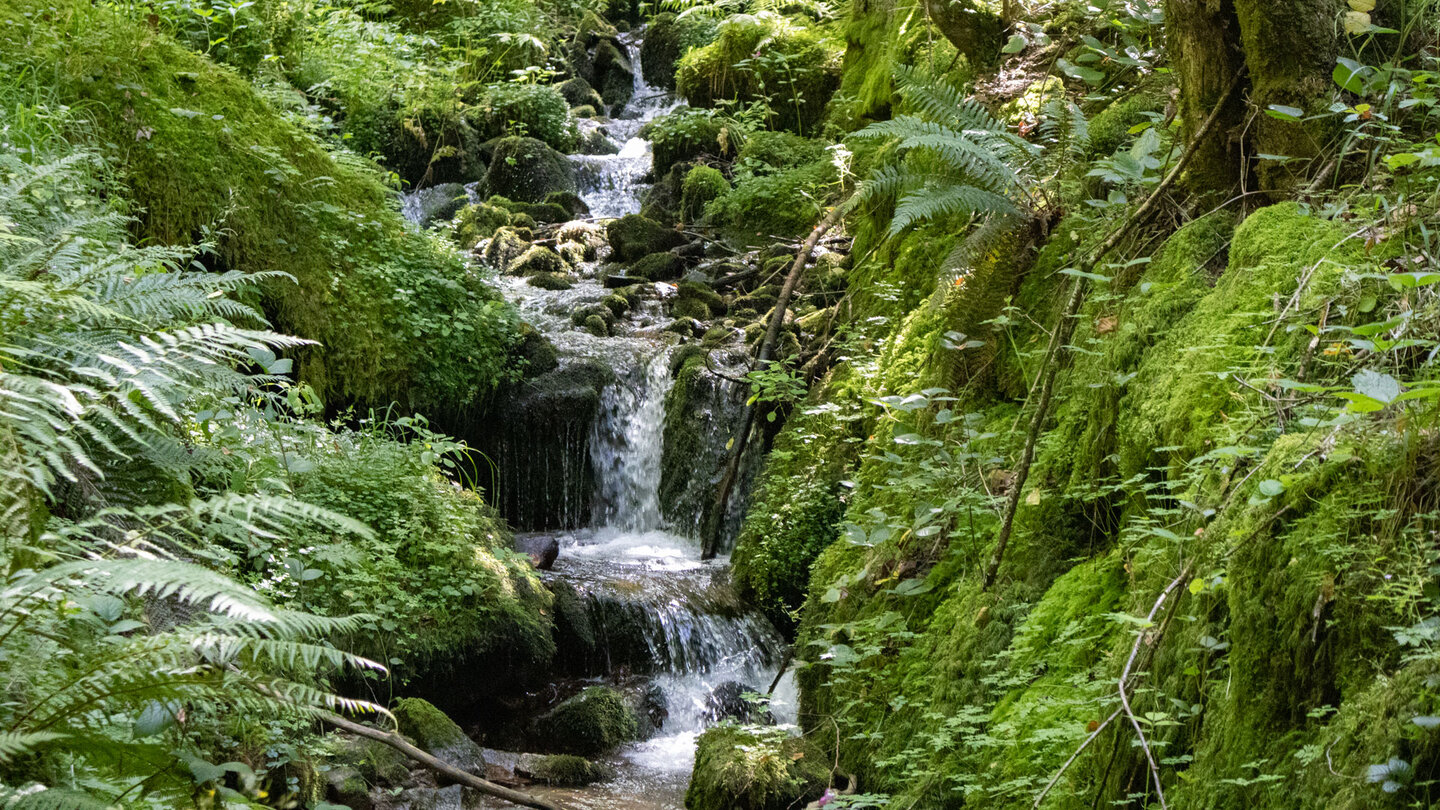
(621, 556)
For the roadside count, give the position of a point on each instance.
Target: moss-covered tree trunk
(1204, 41)
(1290, 47)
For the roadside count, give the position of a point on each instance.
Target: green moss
(439, 565)
(527, 170)
(633, 237)
(476, 222)
(754, 768)
(578, 93)
(202, 155)
(785, 204)
(550, 281)
(796, 67)
(429, 727)
(539, 259)
(1110, 128)
(504, 248)
(669, 37)
(592, 722)
(567, 770)
(701, 185)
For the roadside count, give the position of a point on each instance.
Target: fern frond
(19, 743)
(932, 202)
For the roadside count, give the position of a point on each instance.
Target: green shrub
(438, 577)
(702, 184)
(786, 203)
(670, 37)
(533, 110)
(686, 134)
(769, 152)
(766, 58)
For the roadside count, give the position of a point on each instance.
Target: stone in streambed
(542, 549)
(727, 702)
(538, 259)
(503, 249)
(579, 93)
(593, 722)
(754, 768)
(346, 786)
(658, 267)
(633, 237)
(562, 770)
(615, 281)
(436, 733)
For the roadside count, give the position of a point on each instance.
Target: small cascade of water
(626, 445)
(613, 184)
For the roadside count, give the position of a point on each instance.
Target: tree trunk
(1203, 37)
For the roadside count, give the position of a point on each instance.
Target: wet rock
(538, 259)
(596, 326)
(536, 350)
(476, 222)
(651, 707)
(563, 770)
(727, 701)
(453, 797)
(575, 254)
(542, 549)
(688, 327)
(660, 50)
(438, 734)
(662, 201)
(575, 208)
(658, 267)
(504, 248)
(695, 299)
(615, 281)
(585, 111)
(596, 142)
(377, 763)
(526, 170)
(593, 722)
(617, 304)
(612, 73)
(441, 201)
(633, 237)
(346, 786)
(579, 93)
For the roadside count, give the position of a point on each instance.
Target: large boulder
(754, 768)
(595, 721)
(441, 201)
(436, 733)
(727, 702)
(503, 249)
(542, 549)
(476, 222)
(633, 237)
(658, 267)
(527, 170)
(346, 786)
(660, 51)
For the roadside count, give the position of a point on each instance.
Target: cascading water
(650, 606)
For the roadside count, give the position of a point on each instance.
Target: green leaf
(1270, 487)
(1350, 75)
(1285, 112)
(1377, 386)
(1016, 44)
(156, 717)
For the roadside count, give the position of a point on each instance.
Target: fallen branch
(1125, 675)
(710, 541)
(450, 772)
(1060, 336)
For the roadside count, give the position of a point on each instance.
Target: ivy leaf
(1016, 44)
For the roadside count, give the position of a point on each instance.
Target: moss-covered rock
(539, 259)
(696, 299)
(504, 248)
(687, 134)
(754, 768)
(574, 207)
(612, 74)
(536, 351)
(784, 203)
(701, 185)
(562, 770)
(1110, 128)
(658, 267)
(633, 237)
(578, 93)
(476, 222)
(438, 735)
(596, 142)
(592, 722)
(526, 170)
(550, 281)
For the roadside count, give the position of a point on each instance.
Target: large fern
(111, 629)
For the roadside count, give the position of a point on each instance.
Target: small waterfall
(613, 184)
(626, 446)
